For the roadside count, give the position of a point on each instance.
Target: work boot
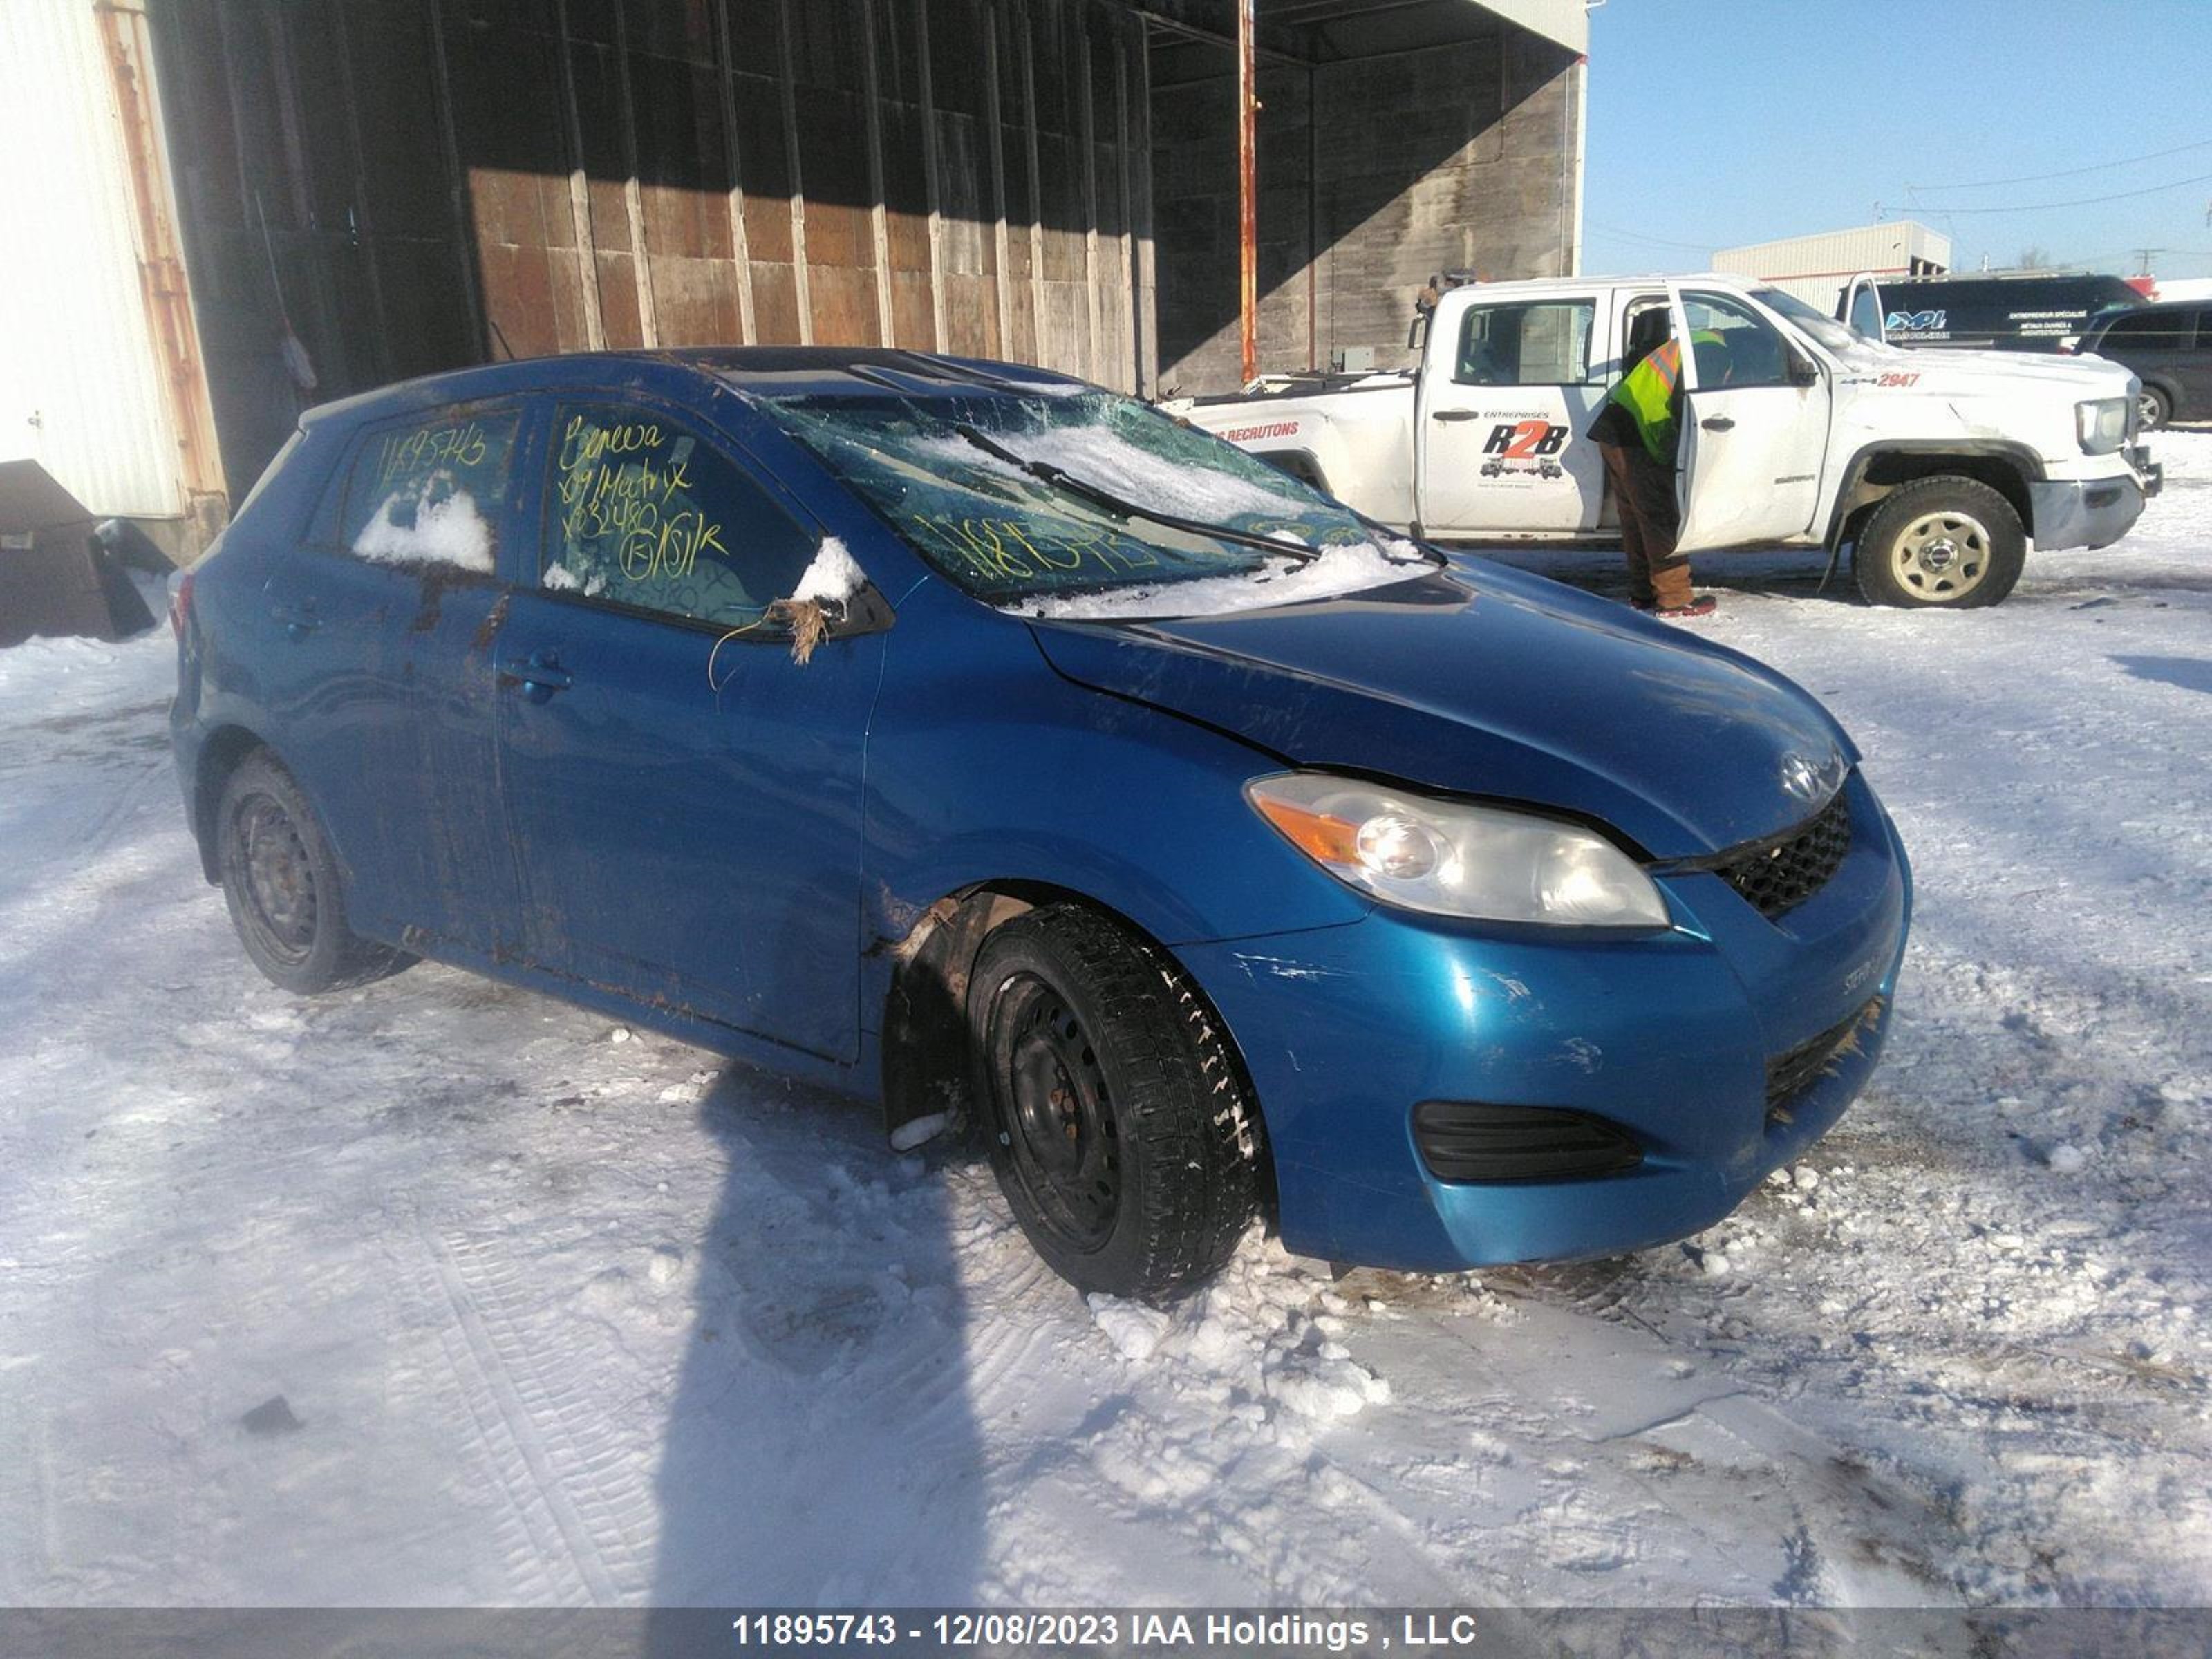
(1704, 606)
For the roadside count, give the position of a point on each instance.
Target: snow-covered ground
(560, 1312)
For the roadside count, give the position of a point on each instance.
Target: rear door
(1752, 435)
(682, 796)
(2196, 374)
(1505, 403)
(412, 518)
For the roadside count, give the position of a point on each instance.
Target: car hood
(1490, 682)
(1996, 373)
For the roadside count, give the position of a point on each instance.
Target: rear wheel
(1941, 541)
(2153, 409)
(1119, 1125)
(281, 882)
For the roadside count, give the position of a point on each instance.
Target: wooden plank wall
(419, 184)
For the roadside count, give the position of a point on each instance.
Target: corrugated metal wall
(81, 379)
(420, 184)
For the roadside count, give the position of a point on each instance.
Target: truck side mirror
(1803, 370)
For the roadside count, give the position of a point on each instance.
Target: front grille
(1780, 874)
(1791, 1072)
(1468, 1140)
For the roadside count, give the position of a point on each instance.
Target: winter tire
(281, 883)
(2153, 408)
(1941, 541)
(1120, 1127)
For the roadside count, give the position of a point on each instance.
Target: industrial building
(1815, 268)
(223, 211)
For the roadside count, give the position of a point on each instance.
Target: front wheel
(1941, 541)
(1119, 1124)
(2153, 409)
(281, 881)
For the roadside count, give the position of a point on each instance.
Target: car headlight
(1454, 860)
(2101, 424)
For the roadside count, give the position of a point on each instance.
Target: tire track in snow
(514, 1412)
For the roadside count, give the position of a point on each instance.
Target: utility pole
(1248, 192)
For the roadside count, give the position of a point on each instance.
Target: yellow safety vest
(1647, 392)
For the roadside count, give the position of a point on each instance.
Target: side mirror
(1803, 370)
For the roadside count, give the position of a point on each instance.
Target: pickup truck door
(1507, 392)
(1754, 424)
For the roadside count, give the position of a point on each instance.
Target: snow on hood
(1505, 686)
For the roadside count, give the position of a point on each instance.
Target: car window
(1735, 345)
(431, 491)
(642, 510)
(2153, 330)
(1539, 342)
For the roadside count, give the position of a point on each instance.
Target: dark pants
(1658, 575)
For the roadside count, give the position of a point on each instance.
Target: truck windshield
(1837, 337)
(1011, 537)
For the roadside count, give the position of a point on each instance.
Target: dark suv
(2170, 349)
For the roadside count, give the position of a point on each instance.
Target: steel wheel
(283, 887)
(1941, 557)
(279, 885)
(1056, 1112)
(1121, 1130)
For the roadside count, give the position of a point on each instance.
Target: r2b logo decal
(1525, 440)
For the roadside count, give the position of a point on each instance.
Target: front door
(1860, 308)
(1753, 431)
(683, 796)
(1501, 421)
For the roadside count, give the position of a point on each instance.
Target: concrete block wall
(1373, 174)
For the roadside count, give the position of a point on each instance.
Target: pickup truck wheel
(2153, 409)
(1118, 1123)
(280, 880)
(1945, 541)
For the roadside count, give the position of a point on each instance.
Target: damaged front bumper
(1362, 1039)
(2091, 513)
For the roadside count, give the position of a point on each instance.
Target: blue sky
(1714, 122)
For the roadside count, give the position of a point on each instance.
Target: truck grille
(1779, 875)
(1791, 1072)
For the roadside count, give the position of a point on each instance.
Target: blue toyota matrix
(969, 738)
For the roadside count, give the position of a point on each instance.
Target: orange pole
(1248, 190)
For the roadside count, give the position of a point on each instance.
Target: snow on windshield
(1097, 454)
(1338, 571)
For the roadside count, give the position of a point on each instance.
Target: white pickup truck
(1795, 430)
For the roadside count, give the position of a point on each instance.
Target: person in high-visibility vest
(1636, 433)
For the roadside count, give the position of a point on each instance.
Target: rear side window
(431, 491)
(1542, 342)
(643, 511)
(2154, 331)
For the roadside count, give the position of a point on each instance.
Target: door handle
(540, 678)
(1455, 415)
(298, 620)
(1718, 423)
